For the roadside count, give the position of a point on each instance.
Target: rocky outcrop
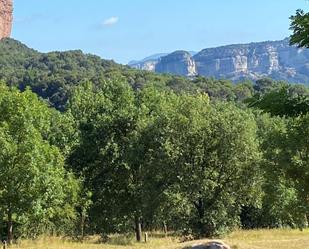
(251, 61)
(179, 62)
(6, 18)
(275, 59)
(211, 245)
(148, 64)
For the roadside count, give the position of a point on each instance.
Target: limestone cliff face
(6, 18)
(243, 61)
(148, 65)
(179, 62)
(275, 59)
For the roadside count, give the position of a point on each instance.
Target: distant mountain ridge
(149, 63)
(274, 59)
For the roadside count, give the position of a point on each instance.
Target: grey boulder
(211, 245)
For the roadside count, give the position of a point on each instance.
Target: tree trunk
(165, 229)
(82, 227)
(5, 246)
(10, 228)
(202, 227)
(138, 229)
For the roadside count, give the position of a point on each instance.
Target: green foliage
(136, 151)
(300, 28)
(38, 194)
(296, 152)
(284, 146)
(50, 75)
(284, 100)
(281, 205)
(54, 75)
(105, 120)
(217, 145)
(150, 150)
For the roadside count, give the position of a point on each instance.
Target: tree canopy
(300, 29)
(88, 146)
(35, 188)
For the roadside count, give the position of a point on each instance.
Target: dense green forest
(89, 146)
(53, 75)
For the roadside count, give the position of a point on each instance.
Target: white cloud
(111, 21)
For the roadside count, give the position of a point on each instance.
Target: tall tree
(212, 152)
(116, 152)
(105, 117)
(35, 189)
(286, 100)
(300, 28)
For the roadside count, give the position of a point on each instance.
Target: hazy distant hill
(149, 63)
(275, 59)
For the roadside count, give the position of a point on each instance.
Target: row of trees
(198, 166)
(147, 154)
(119, 160)
(136, 150)
(36, 190)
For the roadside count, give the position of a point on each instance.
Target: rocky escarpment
(179, 62)
(6, 18)
(252, 61)
(149, 63)
(211, 245)
(275, 59)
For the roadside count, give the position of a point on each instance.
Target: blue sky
(124, 30)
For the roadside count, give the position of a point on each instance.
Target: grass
(255, 239)
(270, 239)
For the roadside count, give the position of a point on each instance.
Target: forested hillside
(88, 146)
(50, 75)
(53, 75)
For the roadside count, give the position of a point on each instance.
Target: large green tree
(284, 100)
(296, 158)
(105, 117)
(300, 29)
(117, 153)
(283, 143)
(213, 153)
(35, 189)
(280, 205)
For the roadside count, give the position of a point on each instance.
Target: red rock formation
(6, 18)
